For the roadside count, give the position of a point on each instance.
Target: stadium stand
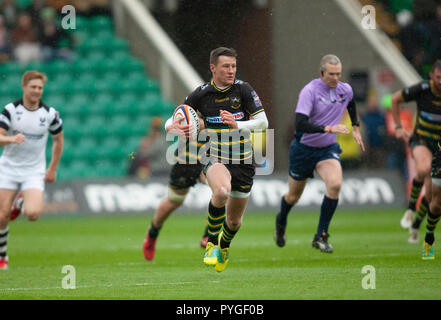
(104, 95)
(414, 26)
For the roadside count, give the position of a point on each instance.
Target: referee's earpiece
(322, 73)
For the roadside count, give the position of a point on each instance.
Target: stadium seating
(105, 98)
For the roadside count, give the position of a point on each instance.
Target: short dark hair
(221, 51)
(436, 65)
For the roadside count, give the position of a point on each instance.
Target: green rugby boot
(222, 258)
(428, 252)
(211, 254)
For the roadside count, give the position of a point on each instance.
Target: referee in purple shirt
(320, 108)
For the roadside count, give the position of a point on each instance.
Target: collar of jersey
(218, 89)
(40, 105)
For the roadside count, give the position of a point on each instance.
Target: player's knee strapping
(173, 196)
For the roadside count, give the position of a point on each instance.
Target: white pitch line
(112, 285)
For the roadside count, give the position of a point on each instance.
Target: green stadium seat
(106, 169)
(100, 22)
(119, 126)
(34, 65)
(56, 101)
(13, 68)
(130, 65)
(102, 105)
(110, 149)
(81, 23)
(56, 67)
(85, 150)
(95, 127)
(131, 144)
(77, 170)
(72, 128)
(12, 90)
(140, 126)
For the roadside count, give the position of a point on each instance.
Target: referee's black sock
(326, 212)
(216, 218)
(284, 210)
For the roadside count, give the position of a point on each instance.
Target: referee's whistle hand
(340, 128)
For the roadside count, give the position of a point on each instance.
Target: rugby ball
(190, 117)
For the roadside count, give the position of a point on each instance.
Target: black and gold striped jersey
(227, 145)
(428, 120)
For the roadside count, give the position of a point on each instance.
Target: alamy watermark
(369, 280)
(68, 281)
(227, 147)
(368, 21)
(69, 17)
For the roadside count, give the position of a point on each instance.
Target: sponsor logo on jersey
(28, 136)
(217, 119)
(256, 99)
(222, 100)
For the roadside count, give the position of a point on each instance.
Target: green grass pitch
(106, 254)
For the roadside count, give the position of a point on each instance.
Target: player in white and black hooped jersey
(24, 129)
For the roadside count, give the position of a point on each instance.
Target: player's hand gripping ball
(190, 116)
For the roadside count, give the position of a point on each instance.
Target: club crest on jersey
(42, 122)
(235, 103)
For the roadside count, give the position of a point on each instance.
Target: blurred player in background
(230, 109)
(24, 128)
(423, 141)
(184, 174)
(434, 212)
(320, 108)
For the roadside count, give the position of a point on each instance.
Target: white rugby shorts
(22, 183)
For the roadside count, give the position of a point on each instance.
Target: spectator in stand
(375, 129)
(52, 36)
(150, 158)
(5, 42)
(434, 27)
(25, 40)
(34, 10)
(9, 11)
